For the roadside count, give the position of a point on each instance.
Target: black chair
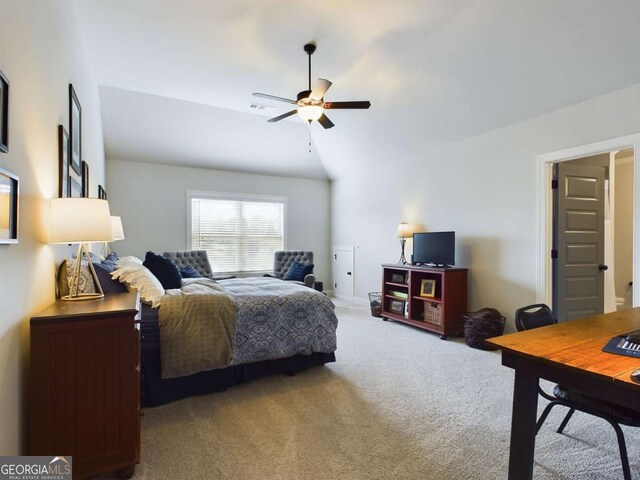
(540, 315)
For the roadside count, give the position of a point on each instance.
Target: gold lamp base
(83, 296)
(74, 294)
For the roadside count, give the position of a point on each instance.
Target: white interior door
(343, 272)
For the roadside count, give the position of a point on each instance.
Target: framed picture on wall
(75, 187)
(63, 161)
(75, 130)
(9, 186)
(102, 194)
(4, 113)
(85, 179)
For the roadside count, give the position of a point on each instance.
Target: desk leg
(523, 426)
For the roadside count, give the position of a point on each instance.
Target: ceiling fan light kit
(310, 112)
(310, 103)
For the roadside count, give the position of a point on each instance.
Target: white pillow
(139, 278)
(127, 261)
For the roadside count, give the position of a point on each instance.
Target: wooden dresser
(85, 384)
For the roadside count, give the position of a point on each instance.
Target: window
(240, 234)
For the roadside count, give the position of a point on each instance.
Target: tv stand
(441, 313)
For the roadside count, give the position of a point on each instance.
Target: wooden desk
(570, 354)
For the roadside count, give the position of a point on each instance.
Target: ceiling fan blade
(284, 115)
(325, 122)
(329, 105)
(273, 97)
(322, 85)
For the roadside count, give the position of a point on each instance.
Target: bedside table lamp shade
(117, 233)
(81, 221)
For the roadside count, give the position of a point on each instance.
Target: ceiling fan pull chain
(309, 136)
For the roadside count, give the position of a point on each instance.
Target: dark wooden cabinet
(405, 300)
(85, 384)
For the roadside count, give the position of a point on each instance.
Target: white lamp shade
(406, 230)
(310, 112)
(77, 220)
(117, 233)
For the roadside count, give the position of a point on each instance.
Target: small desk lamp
(404, 231)
(81, 221)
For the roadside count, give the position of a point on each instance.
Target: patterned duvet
(277, 319)
(268, 319)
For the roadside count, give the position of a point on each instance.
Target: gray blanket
(273, 319)
(197, 323)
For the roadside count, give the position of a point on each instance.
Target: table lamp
(117, 233)
(404, 231)
(81, 221)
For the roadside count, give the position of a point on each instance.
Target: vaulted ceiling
(177, 76)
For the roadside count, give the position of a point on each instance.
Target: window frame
(246, 197)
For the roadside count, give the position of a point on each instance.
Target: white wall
(41, 52)
(484, 188)
(152, 200)
(623, 224)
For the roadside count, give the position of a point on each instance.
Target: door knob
(603, 267)
(348, 273)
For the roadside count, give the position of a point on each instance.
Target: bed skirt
(156, 391)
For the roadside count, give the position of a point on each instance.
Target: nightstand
(85, 384)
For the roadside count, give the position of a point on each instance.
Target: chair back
(534, 316)
(283, 259)
(198, 259)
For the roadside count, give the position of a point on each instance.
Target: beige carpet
(399, 403)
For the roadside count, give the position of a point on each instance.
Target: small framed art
(9, 189)
(398, 278)
(4, 113)
(85, 179)
(396, 306)
(63, 161)
(428, 288)
(75, 130)
(102, 194)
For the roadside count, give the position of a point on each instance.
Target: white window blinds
(238, 235)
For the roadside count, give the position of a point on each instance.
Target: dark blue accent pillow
(164, 270)
(189, 272)
(108, 284)
(297, 271)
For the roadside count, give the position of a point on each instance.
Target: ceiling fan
(310, 103)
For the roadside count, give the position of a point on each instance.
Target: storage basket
(483, 324)
(433, 313)
(375, 302)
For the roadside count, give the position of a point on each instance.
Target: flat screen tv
(435, 248)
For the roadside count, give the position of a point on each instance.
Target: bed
(279, 328)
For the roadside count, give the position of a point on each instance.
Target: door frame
(544, 203)
(339, 248)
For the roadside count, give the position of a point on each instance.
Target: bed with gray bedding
(277, 327)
